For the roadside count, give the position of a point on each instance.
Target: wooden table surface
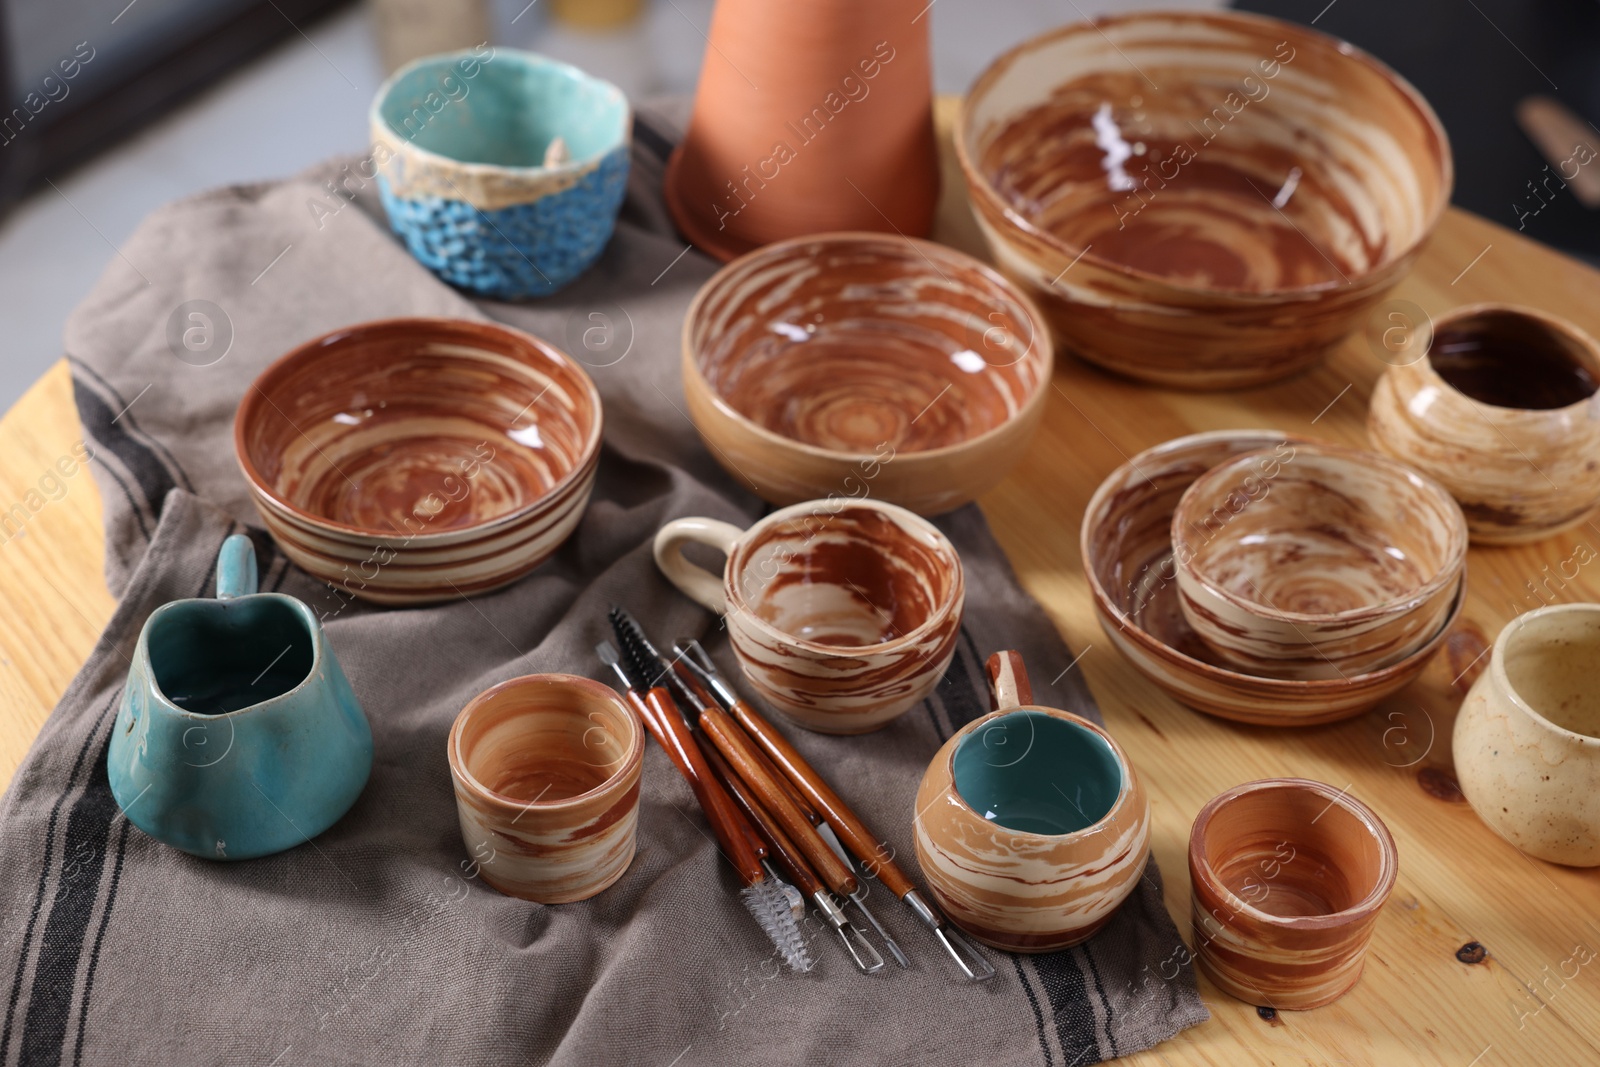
(1530, 999)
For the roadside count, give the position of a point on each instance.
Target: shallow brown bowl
(853, 364)
(1210, 200)
(412, 460)
(1126, 541)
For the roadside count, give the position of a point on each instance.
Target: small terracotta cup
(1527, 741)
(1288, 876)
(843, 613)
(1031, 826)
(546, 771)
(1334, 563)
(1502, 411)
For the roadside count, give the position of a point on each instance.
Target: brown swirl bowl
(1502, 411)
(546, 770)
(414, 460)
(1126, 542)
(1210, 200)
(1287, 877)
(854, 364)
(1321, 562)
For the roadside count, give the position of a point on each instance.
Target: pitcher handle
(236, 568)
(1008, 681)
(697, 583)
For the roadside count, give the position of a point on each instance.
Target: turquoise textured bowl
(503, 171)
(1034, 772)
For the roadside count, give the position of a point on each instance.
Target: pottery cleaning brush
(769, 900)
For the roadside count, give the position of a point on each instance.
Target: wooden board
(1529, 1001)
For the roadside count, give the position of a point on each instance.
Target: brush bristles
(769, 905)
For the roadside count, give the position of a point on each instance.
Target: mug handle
(1008, 681)
(236, 568)
(697, 583)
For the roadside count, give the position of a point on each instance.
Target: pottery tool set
(864, 382)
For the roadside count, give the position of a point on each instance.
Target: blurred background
(118, 106)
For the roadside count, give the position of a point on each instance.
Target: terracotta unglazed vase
(809, 117)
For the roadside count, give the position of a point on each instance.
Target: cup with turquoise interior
(238, 734)
(502, 171)
(1030, 825)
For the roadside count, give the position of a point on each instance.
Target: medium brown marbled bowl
(854, 364)
(546, 770)
(1126, 543)
(1209, 200)
(1326, 563)
(1502, 411)
(1287, 878)
(413, 460)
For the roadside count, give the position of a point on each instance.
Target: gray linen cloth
(373, 943)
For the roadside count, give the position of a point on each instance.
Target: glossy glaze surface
(1502, 412)
(238, 734)
(414, 459)
(1126, 543)
(1527, 740)
(1208, 199)
(546, 770)
(1068, 844)
(1317, 562)
(843, 615)
(815, 117)
(1288, 877)
(855, 364)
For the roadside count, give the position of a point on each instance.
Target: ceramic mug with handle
(843, 614)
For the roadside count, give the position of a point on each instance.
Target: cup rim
(1554, 323)
(1497, 666)
(936, 615)
(977, 180)
(301, 609)
(422, 327)
(1042, 341)
(1389, 866)
(1124, 789)
(1455, 554)
(631, 759)
(528, 59)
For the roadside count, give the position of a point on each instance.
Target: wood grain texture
(1459, 882)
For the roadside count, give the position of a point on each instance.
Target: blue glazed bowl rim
(527, 58)
(300, 608)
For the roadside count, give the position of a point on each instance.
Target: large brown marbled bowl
(860, 365)
(1208, 200)
(415, 460)
(1126, 541)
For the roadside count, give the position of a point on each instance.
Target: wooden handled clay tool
(701, 698)
(744, 758)
(874, 857)
(766, 898)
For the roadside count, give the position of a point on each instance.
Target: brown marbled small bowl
(1503, 412)
(414, 460)
(1126, 543)
(1287, 878)
(1210, 199)
(1324, 563)
(855, 364)
(546, 770)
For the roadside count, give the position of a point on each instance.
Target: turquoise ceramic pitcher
(238, 734)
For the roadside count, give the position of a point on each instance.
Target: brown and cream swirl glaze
(409, 460)
(1287, 879)
(1324, 563)
(1201, 199)
(546, 770)
(842, 615)
(1503, 412)
(852, 363)
(1126, 544)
